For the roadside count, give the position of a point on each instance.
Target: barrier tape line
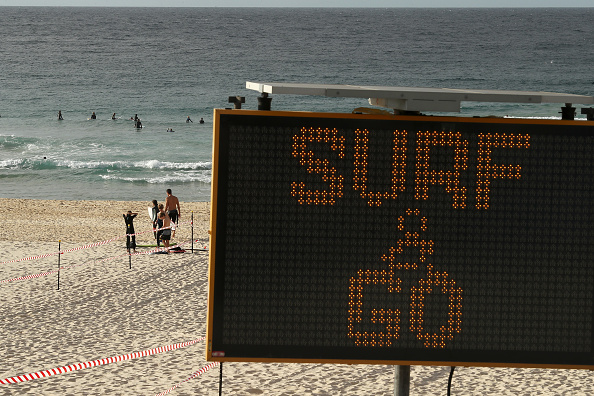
(159, 229)
(95, 363)
(63, 251)
(158, 249)
(194, 375)
(99, 261)
(87, 246)
(29, 276)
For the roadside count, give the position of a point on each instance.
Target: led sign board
(402, 240)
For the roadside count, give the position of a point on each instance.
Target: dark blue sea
(165, 64)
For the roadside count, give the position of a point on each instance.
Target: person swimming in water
(60, 115)
(93, 116)
(113, 117)
(201, 120)
(189, 119)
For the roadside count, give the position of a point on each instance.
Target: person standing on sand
(160, 223)
(165, 234)
(172, 208)
(129, 219)
(155, 217)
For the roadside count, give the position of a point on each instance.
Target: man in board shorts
(173, 210)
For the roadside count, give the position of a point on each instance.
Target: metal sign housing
(351, 238)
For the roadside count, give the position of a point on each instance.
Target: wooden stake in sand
(59, 243)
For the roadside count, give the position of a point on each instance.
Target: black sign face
(429, 240)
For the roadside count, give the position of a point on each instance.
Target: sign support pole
(450, 379)
(401, 380)
(221, 379)
(59, 247)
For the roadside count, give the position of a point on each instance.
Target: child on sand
(165, 234)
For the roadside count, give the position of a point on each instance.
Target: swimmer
(93, 116)
(113, 117)
(201, 120)
(189, 119)
(60, 115)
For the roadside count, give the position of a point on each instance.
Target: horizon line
(311, 7)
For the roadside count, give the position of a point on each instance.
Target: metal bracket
(237, 101)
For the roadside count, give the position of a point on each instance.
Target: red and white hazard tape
(159, 249)
(194, 375)
(30, 258)
(43, 273)
(160, 229)
(92, 245)
(86, 246)
(95, 363)
(64, 251)
(29, 276)
(99, 261)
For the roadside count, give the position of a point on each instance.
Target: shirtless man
(172, 208)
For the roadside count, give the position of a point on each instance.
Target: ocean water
(166, 64)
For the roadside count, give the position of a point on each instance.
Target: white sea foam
(151, 164)
(11, 163)
(160, 179)
(155, 164)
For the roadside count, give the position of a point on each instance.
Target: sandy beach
(104, 308)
